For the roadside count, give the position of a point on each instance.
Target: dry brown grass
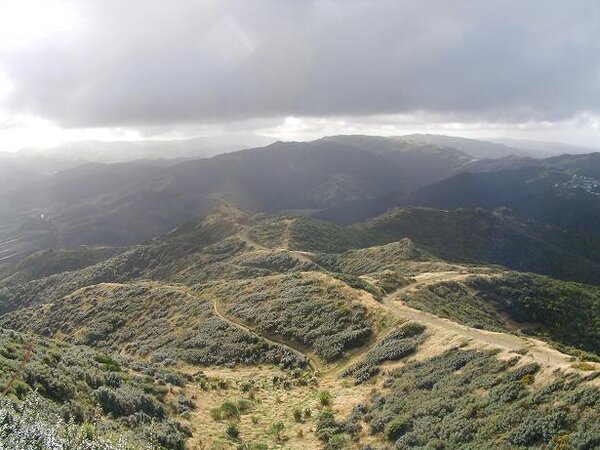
(271, 403)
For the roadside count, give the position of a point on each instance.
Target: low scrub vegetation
(457, 301)
(372, 259)
(468, 399)
(568, 313)
(72, 392)
(399, 344)
(163, 323)
(301, 309)
(315, 235)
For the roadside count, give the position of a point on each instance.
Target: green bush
(338, 441)
(243, 405)
(232, 431)
(324, 397)
(276, 429)
(297, 414)
(397, 427)
(229, 410)
(127, 401)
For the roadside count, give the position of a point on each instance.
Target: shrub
(33, 425)
(324, 397)
(229, 410)
(243, 405)
(297, 413)
(337, 441)
(327, 425)
(232, 431)
(396, 428)
(276, 429)
(246, 385)
(127, 401)
(110, 363)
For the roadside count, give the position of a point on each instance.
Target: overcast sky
(298, 69)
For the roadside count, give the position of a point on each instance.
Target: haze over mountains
(342, 178)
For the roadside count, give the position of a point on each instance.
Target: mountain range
(343, 178)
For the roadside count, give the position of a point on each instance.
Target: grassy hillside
(228, 246)
(563, 313)
(282, 332)
(50, 262)
(325, 317)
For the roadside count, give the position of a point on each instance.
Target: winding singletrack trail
(539, 350)
(301, 353)
(314, 365)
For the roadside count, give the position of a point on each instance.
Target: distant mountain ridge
(341, 178)
(128, 202)
(108, 152)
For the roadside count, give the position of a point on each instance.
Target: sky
(298, 69)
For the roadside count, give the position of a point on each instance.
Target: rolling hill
(244, 324)
(125, 315)
(496, 237)
(566, 197)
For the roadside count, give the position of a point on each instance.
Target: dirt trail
(287, 234)
(301, 353)
(539, 350)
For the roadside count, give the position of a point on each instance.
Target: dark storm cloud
(164, 62)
